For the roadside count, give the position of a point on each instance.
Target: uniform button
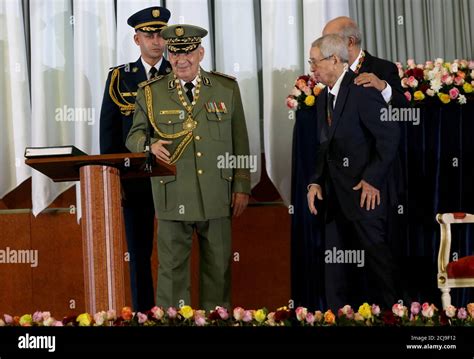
(197, 138)
(200, 172)
(161, 181)
(199, 154)
(169, 121)
(230, 177)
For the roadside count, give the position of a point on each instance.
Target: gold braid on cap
(126, 108)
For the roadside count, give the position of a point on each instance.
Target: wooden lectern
(102, 222)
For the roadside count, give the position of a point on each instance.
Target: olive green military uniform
(199, 196)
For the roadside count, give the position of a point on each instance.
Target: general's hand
(370, 195)
(314, 191)
(370, 80)
(160, 151)
(239, 203)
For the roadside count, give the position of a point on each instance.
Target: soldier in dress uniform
(197, 116)
(116, 119)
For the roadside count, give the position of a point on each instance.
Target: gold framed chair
(458, 273)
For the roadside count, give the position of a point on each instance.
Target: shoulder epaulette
(223, 75)
(117, 67)
(144, 83)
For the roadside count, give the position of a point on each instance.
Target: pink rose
(301, 313)
(142, 318)
(310, 318)
(447, 79)
(347, 311)
(462, 314)
(8, 318)
(453, 93)
(307, 90)
(408, 95)
(411, 63)
(412, 81)
(404, 82)
(451, 311)
(399, 310)
(415, 308)
(239, 313)
(458, 81)
(427, 310)
(222, 313)
(37, 317)
(200, 318)
(172, 312)
(248, 316)
(471, 65)
(58, 323)
(157, 312)
(375, 309)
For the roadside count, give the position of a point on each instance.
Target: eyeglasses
(313, 62)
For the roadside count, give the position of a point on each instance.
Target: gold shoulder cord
(187, 132)
(126, 108)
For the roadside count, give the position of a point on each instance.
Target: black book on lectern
(34, 152)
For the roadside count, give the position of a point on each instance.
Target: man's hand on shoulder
(370, 196)
(368, 79)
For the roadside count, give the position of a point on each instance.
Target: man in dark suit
(355, 155)
(116, 118)
(372, 71)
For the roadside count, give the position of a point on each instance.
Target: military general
(116, 119)
(196, 117)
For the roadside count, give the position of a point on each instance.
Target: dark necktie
(153, 72)
(330, 108)
(189, 91)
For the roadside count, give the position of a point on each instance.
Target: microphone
(149, 157)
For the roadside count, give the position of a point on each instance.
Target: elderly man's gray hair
(332, 45)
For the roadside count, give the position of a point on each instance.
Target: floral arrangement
(304, 93)
(425, 314)
(438, 81)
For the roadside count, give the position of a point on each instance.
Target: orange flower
(329, 317)
(127, 313)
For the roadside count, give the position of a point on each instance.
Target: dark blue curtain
(437, 176)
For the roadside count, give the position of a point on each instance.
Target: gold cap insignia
(155, 13)
(135, 69)
(179, 31)
(168, 70)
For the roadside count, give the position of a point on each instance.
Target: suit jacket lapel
(340, 101)
(367, 64)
